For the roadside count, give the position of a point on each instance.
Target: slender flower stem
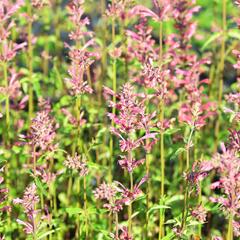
(230, 227)
(85, 203)
(30, 61)
(34, 160)
(160, 42)
(186, 194)
(147, 192)
(130, 205)
(79, 147)
(7, 137)
(221, 68)
(114, 86)
(200, 202)
(162, 214)
(7, 104)
(161, 111)
(104, 51)
(117, 228)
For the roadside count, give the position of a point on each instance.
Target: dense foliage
(120, 119)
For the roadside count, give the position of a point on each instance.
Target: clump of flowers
(110, 194)
(29, 203)
(43, 128)
(77, 163)
(199, 213)
(81, 58)
(227, 166)
(162, 10)
(141, 43)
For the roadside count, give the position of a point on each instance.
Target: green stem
(161, 110)
(7, 104)
(162, 159)
(130, 205)
(30, 62)
(186, 194)
(104, 51)
(34, 160)
(200, 202)
(160, 42)
(116, 219)
(230, 227)
(221, 69)
(78, 147)
(147, 192)
(114, 86)
(85, 204)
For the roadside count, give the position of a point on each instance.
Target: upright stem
(30, 61)
(186, 194)
(147, 192)
(230, 227)
(104, 51)
(161, 112)
(85, 203)
(130, 205)
(200, 202)
(34, 161)
(7, 104)
(162, 213)
(160, 42)
(78, 147)
(114, 86)
(116, 219)
(221, 68)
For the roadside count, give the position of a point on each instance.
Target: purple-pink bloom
(42, 129)
(162, 10)
(78, 163)
(28, 202)
(199, 213)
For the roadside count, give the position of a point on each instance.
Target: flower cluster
(183, 11)
(110, 194)
(28, 202)
(227, 166)
(197, 108)
(199, 213)
(9, 49)
(77, 163)
(141, 43)
(119, 9)
(162, 10)
(131, 118)
(117, 195)
(76, 12)
(43, 129)
(81, 58)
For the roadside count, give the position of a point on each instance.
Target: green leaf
(172, 131)
(47, 233)
(180, 150)
(41, 187)
(72, 211)
(234, 33)
(210, 40)
(157, 207)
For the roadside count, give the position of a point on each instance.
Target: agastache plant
(8, 49)
(29, 203)
(130, 119)
(81, 60)
(119, 119)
